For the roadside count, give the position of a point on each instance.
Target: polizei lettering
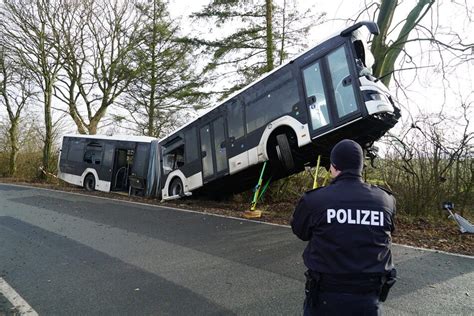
(357, 217)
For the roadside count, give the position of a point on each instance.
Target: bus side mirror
(311, 99)
(203, 154)
(371, 26)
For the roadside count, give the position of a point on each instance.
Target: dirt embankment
(433, 233)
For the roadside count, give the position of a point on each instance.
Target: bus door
(106, 168)
(120, 168)
(316, 97)
(343, 82)
(329, 91)
(213, 149)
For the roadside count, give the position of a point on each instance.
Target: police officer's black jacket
(348, 225)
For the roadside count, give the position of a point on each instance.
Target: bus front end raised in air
(377, 97)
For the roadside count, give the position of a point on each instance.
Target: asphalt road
(71, 254)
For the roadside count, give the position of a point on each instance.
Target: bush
(28, 165)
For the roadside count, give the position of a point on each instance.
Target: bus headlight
(377, 102)
(371, 95)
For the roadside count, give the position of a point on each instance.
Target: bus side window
(109, 152)
(273, 97)
(190, 145)
(173, 159)
(93, 153)
(76, 150)
(64, 149)
(235, 119)
(180, 158)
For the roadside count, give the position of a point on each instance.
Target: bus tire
(89, 182)
(176, 187)
(283, 151)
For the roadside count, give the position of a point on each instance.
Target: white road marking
(217, 215)
(15, 299)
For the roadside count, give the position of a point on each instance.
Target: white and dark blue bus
(286, 118)
(109, 163)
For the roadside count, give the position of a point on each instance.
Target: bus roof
(129, 138)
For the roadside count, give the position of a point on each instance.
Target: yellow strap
(315, 183)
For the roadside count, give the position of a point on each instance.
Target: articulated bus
(286, 118)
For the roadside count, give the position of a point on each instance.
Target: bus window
(235, 119)
(191, 145)
(109, 152)
(313, 83)
(76, 150)
(343, 91)
(173, 159)
(270, 99)
(93, 153)
(206, 151)
(64, 149)
(219, 144)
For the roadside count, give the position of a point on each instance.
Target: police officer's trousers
(341, 304)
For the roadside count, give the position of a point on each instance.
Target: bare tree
(430, 161)
(421, 26)
(28, 27)
(96, 43)
(16, 91)
(424, 165)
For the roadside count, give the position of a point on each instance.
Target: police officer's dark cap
(347, 154)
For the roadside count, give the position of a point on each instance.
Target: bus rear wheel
(176, 187)
(283, 150)
(89, 182)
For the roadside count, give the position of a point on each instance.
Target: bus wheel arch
(280, 145)
(89, 182)
(176, 187)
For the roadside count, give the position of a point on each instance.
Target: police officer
(348, 226)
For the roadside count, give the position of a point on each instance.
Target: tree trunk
(95, 120)
(48, 122)
(14, 148)
(151, 130)
(76, 117)
(282, 47)
(269, 35)
(92, 128)
(384, 21)
(386, 56)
